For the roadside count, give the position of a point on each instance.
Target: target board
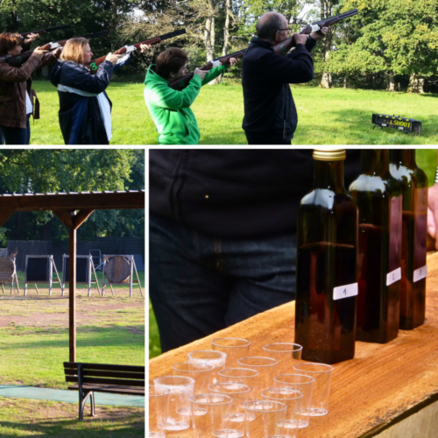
(84, 271)
(39, 269)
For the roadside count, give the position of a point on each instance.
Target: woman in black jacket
(85, 109)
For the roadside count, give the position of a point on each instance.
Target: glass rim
(226, 402)
(269, 359)
(300, 347)
(297, 383)
(219, 353)
(246, 344)
(248, 388)
(328, 368)
(239, 377)
(282, 406)
(166, 391)
(210, 367)
(190, 381)
(275, 389)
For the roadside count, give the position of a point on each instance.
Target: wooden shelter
(72, 209)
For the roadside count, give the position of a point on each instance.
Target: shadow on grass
(66, 429)
(102, 336)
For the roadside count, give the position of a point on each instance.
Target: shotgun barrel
(44, 31)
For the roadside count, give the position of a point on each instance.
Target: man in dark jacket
(270, 113)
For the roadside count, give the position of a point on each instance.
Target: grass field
(426, 160)
(335, 116)
(34, 340)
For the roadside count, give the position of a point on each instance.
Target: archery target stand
(8, 273)
(84, 272)
(119, 270)
(39, 269)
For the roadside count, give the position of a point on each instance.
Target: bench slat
(97, 366)
(110, 389)
(99, 373)
(119, 382)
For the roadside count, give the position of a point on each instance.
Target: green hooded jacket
(170, 109)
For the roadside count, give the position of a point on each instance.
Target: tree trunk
(416, 84)
(345, 82)
(391, 82)
(218, 80)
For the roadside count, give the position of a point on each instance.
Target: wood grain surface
(383, 385)
(118, 270)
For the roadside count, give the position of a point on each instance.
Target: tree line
(389, 45)
(75, 170)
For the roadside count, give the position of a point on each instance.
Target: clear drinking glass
(158, 407)
(235, 348)
(211, 416)
(266, 366)
(241, 375)
(215, 358)
(239, 393)
(264, 419)
(200, 372)
(322, 374)
(292, 399)
(181, 389)
(303, 384)
(285, 353)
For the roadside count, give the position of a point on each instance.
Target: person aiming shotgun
(270, 113)
(170, 109)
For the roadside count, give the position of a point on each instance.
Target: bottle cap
(329, 154)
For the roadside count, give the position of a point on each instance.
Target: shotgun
(280, 48)
(44, 31)
(16, 61)
(94, 65)
(181, 83)
(284, 47)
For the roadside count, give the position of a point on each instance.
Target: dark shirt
(268, 102)
(234, 193)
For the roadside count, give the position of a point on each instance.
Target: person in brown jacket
(16, 94)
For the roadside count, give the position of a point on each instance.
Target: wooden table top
(381, 386)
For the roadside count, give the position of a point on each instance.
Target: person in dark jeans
(222, 235)
(270, 113)
(18, 100)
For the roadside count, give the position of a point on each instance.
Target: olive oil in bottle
(413, 182)
(379, 198)
(326, 290)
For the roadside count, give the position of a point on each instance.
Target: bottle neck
(375, 161)
(329, 175)
(403, 157)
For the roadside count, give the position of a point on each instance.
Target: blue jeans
(15, 135)
(201, 284)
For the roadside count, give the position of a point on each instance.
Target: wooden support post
(72, 220)
(72, 295)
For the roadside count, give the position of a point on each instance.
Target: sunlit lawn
(34, 339)
(335, 116)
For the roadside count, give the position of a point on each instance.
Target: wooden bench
(89, 378)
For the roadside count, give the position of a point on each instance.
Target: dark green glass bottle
(414, 234)
(379, 198)
(326, 288)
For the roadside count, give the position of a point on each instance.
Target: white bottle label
(420, 273)
(348, 290)
(393, 276)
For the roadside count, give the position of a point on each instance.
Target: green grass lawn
(38, 418)
(334, 116)
(426, 160)
(35, 342)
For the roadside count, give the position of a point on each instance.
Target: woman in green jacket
(169, 108)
